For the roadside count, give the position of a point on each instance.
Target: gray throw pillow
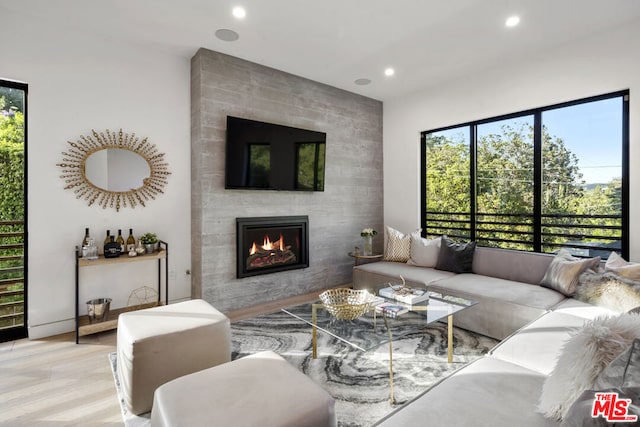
(455, 257)
(564, 272)
(623, 371)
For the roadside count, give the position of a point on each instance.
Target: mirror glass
(116, 169)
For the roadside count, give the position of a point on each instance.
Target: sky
(593, 131)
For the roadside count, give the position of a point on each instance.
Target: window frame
(537, 141)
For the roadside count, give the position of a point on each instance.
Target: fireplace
(271, 244)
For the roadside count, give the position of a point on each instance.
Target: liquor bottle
(112, 249)
(131, 241)
(108, 238)
(120, 241)
(85, 241)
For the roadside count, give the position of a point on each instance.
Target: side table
(359, 258)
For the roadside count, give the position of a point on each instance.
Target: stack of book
(405, 294)
(390, 309)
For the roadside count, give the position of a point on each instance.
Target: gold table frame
(415, 308)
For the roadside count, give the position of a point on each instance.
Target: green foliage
(12, 179)
(505, 193)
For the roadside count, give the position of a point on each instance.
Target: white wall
(78, 83)
(602, 64)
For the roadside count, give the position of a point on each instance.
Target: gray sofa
(504, 282)
(502, 388)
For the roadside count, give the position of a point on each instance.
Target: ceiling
(336, 42)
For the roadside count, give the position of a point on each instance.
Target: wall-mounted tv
(267, 156)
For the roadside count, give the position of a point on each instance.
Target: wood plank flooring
(54, 382)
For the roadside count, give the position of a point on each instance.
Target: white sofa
(504, 282)
(504, 387)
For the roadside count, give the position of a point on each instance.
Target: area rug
(358, 381)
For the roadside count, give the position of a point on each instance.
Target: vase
(368, 245)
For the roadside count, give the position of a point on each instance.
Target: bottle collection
(114, 246)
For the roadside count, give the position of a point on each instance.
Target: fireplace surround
(271, 244)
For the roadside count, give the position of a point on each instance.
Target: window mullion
(537, 181)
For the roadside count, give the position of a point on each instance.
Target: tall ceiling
(336, 42)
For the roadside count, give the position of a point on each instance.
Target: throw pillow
(398, 245)
(455, 257)
(564, 272)
(616, 264)
(608, 290)
(583, 357)
(623, 371)
(424, 252)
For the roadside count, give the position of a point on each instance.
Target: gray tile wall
(223, 85)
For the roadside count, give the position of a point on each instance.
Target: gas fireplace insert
(271, 244)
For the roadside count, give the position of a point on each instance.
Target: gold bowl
(345, 303)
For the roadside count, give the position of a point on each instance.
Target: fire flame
(268, 245)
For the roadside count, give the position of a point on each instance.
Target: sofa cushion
(455, 257)
(582, 309)
(487, 392)
(508, 264)
(500, 289)
(564, 272)
(376, 275)
(549, 332)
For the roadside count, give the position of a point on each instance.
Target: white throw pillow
(398, 247)
(583, 358)
(616, 264)
(424, 252)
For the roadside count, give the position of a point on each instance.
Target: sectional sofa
(535, 323)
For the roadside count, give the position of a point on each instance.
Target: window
(550, 178)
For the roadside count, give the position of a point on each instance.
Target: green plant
(149, 238)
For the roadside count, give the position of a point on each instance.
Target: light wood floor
(54, 382)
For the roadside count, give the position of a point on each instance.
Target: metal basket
(345, 303)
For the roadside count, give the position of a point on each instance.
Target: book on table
(391, 309)
(405, 294)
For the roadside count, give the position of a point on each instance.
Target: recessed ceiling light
(512, 21)
(227, 35)
(389, 72)
(362, 82)
(239, 12)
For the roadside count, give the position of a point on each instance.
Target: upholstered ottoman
(159, 344)
(258, 390)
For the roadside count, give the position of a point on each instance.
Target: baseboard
(272, 306)
(50, 329)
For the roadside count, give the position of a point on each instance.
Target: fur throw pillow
(608, 290)
(583, 357)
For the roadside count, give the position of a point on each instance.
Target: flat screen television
(267, 156)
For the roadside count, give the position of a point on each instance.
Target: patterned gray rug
(359, 381)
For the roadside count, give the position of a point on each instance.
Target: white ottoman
(258, 390)
(159, 344)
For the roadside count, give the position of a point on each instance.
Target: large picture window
(540, 180)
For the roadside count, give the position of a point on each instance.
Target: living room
(82, 78)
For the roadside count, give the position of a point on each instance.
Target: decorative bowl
(345, 303)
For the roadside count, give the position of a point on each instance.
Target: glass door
(13, 219)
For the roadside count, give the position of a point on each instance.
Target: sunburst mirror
(114, 169)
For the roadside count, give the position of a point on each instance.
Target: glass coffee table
(374, 329)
